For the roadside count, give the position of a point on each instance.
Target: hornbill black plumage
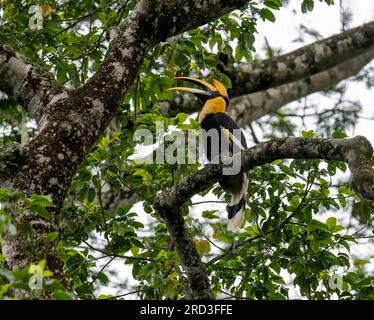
(213, 116)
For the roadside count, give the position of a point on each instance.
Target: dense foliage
(295, 221)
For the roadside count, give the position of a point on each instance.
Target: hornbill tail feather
(237, 207)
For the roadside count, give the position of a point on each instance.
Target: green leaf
(337, 228)
(307, 134)
(170, 287)
(51, 236)
(91, 194)
(307, 5)
(136, 243)
(104, 297)
(63, 295)
(266, 14)
(40, 200)
(62, 76)
(315, 245)
(202, 246)
(4, 288)
(345, 245)
(331, 222)
(358, 263)
(339, 134)
(273, 4)
(181, 117)
(275, 266)
(209, 214)
(41, 211)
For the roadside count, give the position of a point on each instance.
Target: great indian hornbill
(213, 116)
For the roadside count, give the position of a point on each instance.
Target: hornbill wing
(228, 126)
(232, 139)
(235, 185)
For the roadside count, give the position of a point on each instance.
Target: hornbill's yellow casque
(213, 116)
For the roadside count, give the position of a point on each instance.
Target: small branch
(106, 233)
(233, 296)
(119, 256)
(128, 293)
(80, 19)
(96, 276)
(259, 236)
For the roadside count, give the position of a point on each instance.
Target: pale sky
(326, 20)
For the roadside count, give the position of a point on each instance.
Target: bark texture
(356, 152)
(70, 121)
(30, 85)
(199, 285)
(250, 107)
(301, 63)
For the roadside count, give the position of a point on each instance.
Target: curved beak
(201, 94)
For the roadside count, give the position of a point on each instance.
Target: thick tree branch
(199, 285)
(303, 62)
(356, 152)
(30, 85)
(247, 108)
(74, 119)
(296, 68)
(70, 121)
(149, 23)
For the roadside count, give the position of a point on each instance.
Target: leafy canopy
(284, 232)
